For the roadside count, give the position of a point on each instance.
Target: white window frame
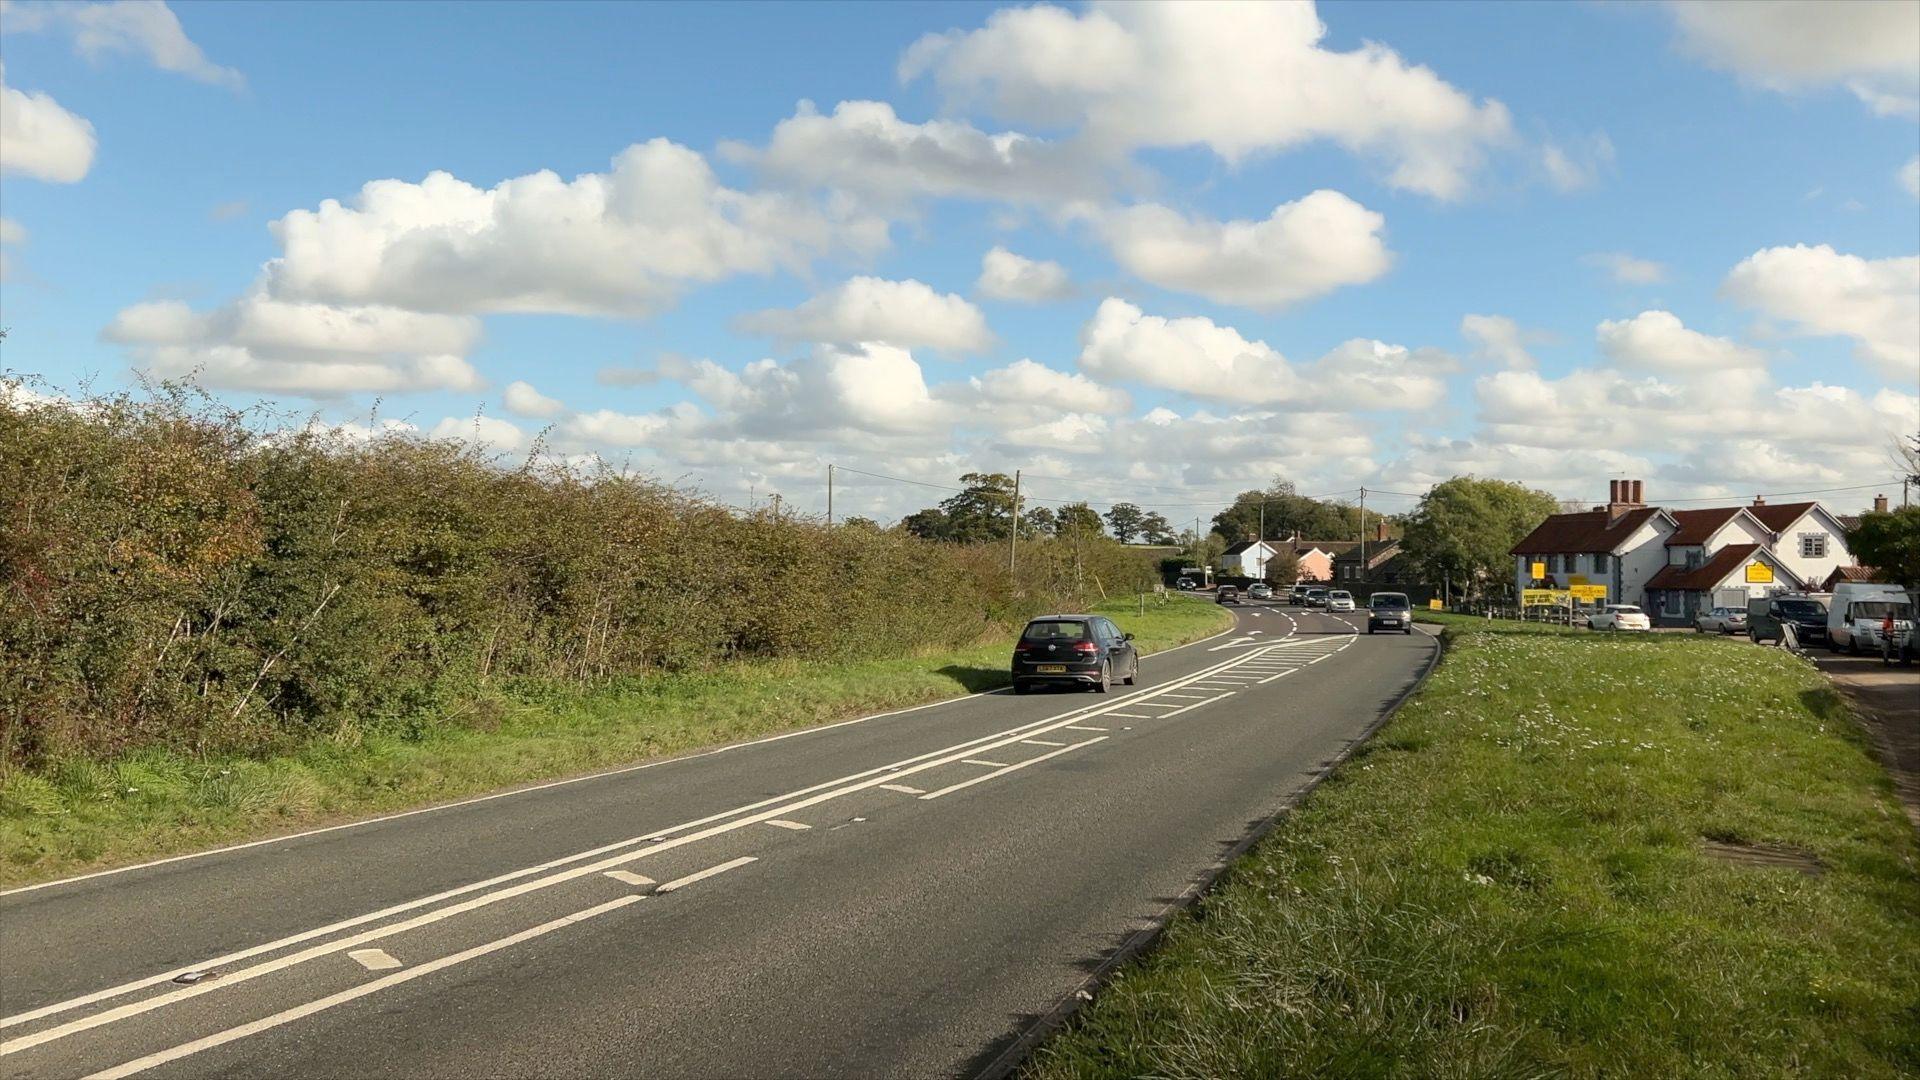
(1812, 540)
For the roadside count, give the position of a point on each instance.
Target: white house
(1248, 558)
(1676, 563)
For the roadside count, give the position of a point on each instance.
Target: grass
(1513, 878)
(84, 814)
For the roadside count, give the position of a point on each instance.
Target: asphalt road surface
(900, 895)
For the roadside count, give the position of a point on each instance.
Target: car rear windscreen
(1055, 629)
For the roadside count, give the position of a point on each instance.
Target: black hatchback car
(1083, 650)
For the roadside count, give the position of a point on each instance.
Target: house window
(1672, 603)
(1566, 564)
(1599, 564)
(1813, 545)
(1693, 557)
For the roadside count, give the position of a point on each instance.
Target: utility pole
(1262, 539)
(1363, 534)
(1013, 534)
(829, 496)
(776, 506)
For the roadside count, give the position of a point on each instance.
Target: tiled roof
(1697, 526)
(1587, 531)
(1238, 548)
(1707, 574)
(1854, 573)
(1780, 516)
(1378, 552)
(1331, 547)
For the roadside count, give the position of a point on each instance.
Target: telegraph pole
(1363, 534)
(1013, 534)
(829, 496)
(1262, 539)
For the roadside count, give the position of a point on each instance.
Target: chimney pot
(1759, 500)
(1880, 504)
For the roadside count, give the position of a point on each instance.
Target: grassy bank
(83, 813)
(1546, 865)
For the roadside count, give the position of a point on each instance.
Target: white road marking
(373, 959)
(300, 1011)
(1085, 727)
(983, 777)
(1197, 704)
(781, 823)
(922, 762)
(629, 877)
(1128, 715)
(702, 875)
(1184, 695)
(1041, 742)
(903, 789)
(988, 764)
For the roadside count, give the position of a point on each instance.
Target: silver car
(1721, 620)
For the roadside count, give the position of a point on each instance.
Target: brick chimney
(1879, 504)
(1622, 496)
(1380, 529)
(1759, 500)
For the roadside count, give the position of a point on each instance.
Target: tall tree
(1127, 521)
(1156, 529)
(1288, 513)
(1077, 519)
(1889, 540)
(979, 513)
(1463, 528)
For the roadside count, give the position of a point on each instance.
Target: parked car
(1722, 620)
(1389, 611)
(1856, 619)
(1619, 617)
(1806, 614)
(1339, 600)
(1316, 598)
(1260, 590)
(1228, 595)
(1082, 650)
(1185, 584)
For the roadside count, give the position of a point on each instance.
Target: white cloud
(259, 343)
(1199, 357)
(904, 313)
(1026, 384)
(1577, 165)
(870, 388)
(625, 242)
(1304, 249)
(144, 27)
(1498, 339)
(40, 139)
(11, 235)
(1818, 291)
(1627, 270)
(523, 400)
(1910, 176)
(1657, 341)
(866, 149)
(1789, 45)
(486, 432)
(1006, 276)
(1238, 78)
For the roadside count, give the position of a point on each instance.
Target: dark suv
(1085, 650)
(1389, 611)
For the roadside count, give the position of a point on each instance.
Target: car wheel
(1853, 646)
(1408, 631)
(1106, 681)
(1133, 676)
(1698, 629)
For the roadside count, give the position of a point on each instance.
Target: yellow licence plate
(1052, 669)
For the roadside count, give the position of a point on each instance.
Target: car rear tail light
(1085, 647)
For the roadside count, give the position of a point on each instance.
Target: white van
(1860, 608)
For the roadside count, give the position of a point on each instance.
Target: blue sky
(1554, 243)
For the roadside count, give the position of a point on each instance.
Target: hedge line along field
(1577, 855)
(180, 576)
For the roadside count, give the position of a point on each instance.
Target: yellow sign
(1539, 570)
(1759, 573)
(1589, 592)
(1577, 579)
(1434, 603)
(1544, 597)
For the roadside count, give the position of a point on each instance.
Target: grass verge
(1524, 874)
(84, 815)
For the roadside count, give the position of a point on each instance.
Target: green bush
(174, 573)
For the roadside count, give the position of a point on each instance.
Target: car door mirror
(1126, 637)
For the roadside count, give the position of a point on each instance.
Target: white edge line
(702, 875)
(301, 1011)
(618, 771)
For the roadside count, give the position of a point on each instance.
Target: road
(900, 895)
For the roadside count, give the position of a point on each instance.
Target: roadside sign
(1577, 579)
(1543, 597)
(1589, 592)
(1760, 573)
(1434, 603)
(1539, 570)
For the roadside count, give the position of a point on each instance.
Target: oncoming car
(1080, 650)
(1619, 617)
(1260, 590)
(1316, 597)
(1389, 611)
(1339, 600)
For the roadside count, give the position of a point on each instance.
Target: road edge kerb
(1048, 1023)
(531, 786)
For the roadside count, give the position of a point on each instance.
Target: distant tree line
(982, 512)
